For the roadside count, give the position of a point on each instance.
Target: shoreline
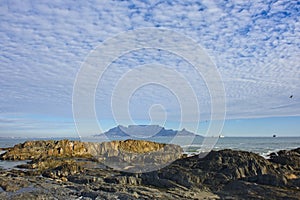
(64, 169)
(251, 144)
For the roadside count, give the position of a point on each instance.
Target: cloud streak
(255, 46)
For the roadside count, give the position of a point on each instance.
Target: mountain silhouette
(144, 131)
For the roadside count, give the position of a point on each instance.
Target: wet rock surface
(70, 172)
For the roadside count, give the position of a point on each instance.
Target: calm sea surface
(260, 145)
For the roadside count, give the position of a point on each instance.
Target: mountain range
(144, 131)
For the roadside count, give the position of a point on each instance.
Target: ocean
(261, 145)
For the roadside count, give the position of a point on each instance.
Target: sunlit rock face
(30, 150)
(128, 155)
(135, 155)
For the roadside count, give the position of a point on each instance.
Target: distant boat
(221, 136)
(274, 135)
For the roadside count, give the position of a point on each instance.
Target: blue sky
(255, 46)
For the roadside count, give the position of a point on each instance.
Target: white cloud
(255, 45)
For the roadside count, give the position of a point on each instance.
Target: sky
(254, 46)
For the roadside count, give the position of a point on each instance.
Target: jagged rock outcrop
(289, 158)
(217, 169)
(235, 164)
(128, 155)
(34, 150)
(135, 155)
(65, 148)
(288, 162)
(224, 174)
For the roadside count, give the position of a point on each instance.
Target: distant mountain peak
(144, 131)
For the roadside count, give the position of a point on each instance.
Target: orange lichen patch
(291, 176)
(139, 146)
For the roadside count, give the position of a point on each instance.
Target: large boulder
(235, 164)
(287, 157)
(215, 170)
(288, 162)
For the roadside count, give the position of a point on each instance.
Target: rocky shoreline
(78, 170)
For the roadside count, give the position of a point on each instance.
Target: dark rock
(84, 179)
(124, 180)
(269, 179)
(69, 172)
(295, 182)
(64, 170)
(90, 194)
(13, 184)
(239, 189)
(284, 157)
(235, 164)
